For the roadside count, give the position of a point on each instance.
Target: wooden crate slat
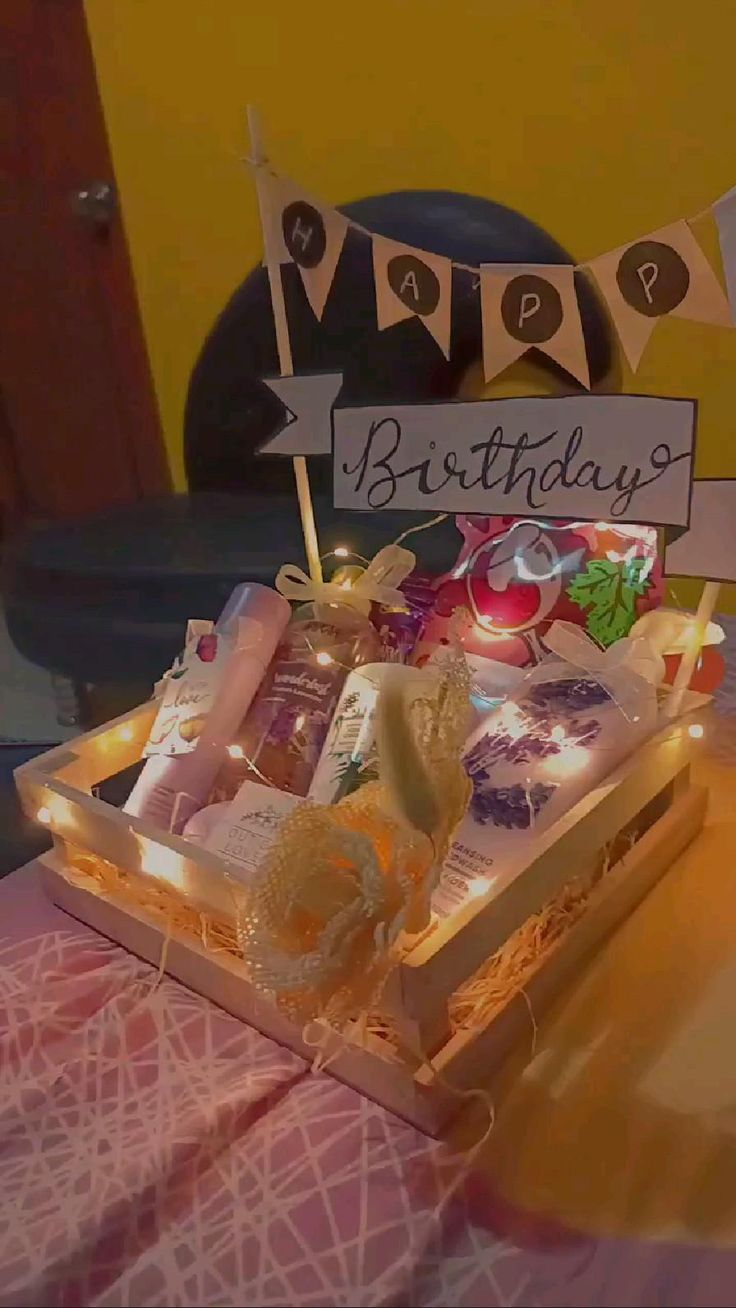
(465, 1056)
(96, 755)
(439, 964)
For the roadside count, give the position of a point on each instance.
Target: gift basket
(321, 840)
(382, 815)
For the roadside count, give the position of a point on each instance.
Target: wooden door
(80, 425)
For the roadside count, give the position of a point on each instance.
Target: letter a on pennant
(413, 284)
(531, 305)
(663, 274)
(307, 234)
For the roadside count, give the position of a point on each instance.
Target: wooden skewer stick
(283, 343)
(706, 607)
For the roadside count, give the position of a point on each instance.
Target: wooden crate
(650, 795)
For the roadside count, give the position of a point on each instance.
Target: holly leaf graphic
(608, 591)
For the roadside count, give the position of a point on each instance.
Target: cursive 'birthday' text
(534, 467)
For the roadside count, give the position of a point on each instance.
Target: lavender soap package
(572, 720)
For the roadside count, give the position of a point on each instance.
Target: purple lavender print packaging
(534, 757)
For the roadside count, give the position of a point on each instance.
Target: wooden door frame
(57, 137)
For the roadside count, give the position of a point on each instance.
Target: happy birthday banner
(609, 458)
(523, 306)
(620, 458)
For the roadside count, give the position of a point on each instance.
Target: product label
(528, 761)
(190, 692)
(466, 872)
(349, 758)
(305, 687)
(247, 831)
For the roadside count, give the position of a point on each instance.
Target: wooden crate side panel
(96, 755)
(469, 1058)
(466, 1059)
(132, 844)
(444, 960)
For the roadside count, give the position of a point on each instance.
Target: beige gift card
(412, 283)
(250, 826)
(307, 234)
(527, 306)
(662, 274)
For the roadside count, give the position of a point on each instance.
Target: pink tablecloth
(154, 1151)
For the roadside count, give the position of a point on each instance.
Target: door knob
(96, 203)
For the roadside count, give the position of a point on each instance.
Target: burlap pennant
(307, 234)
(412, 283)
(662, 274)
(527, 306)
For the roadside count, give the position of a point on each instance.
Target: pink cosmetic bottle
(170, 790)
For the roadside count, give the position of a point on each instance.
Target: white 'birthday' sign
(617, 458)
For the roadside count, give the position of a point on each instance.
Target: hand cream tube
(170, 790)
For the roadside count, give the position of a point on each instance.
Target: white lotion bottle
(170, 790)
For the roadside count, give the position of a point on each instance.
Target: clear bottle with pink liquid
(281, 737)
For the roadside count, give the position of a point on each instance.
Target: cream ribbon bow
(632, 655)
(378, 584)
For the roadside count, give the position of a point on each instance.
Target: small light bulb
(324, 659)
(126, 733)
(558, 735)
(44, 815)
(236, 751)
(299, 721)
(341, 552)
(696, 730)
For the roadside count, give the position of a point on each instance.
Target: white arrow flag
(708, 548)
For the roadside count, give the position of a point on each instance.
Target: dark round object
(653, 278)
(531, 309)
(304, 233)
(413, 283)
(230, 413)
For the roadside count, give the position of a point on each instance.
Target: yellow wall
(601, 119)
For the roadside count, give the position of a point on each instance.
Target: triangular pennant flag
(307, 234)
(664, 273)
(527, 306)
(412, 283)
(724, 212)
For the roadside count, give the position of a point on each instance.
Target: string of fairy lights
(571, 756)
